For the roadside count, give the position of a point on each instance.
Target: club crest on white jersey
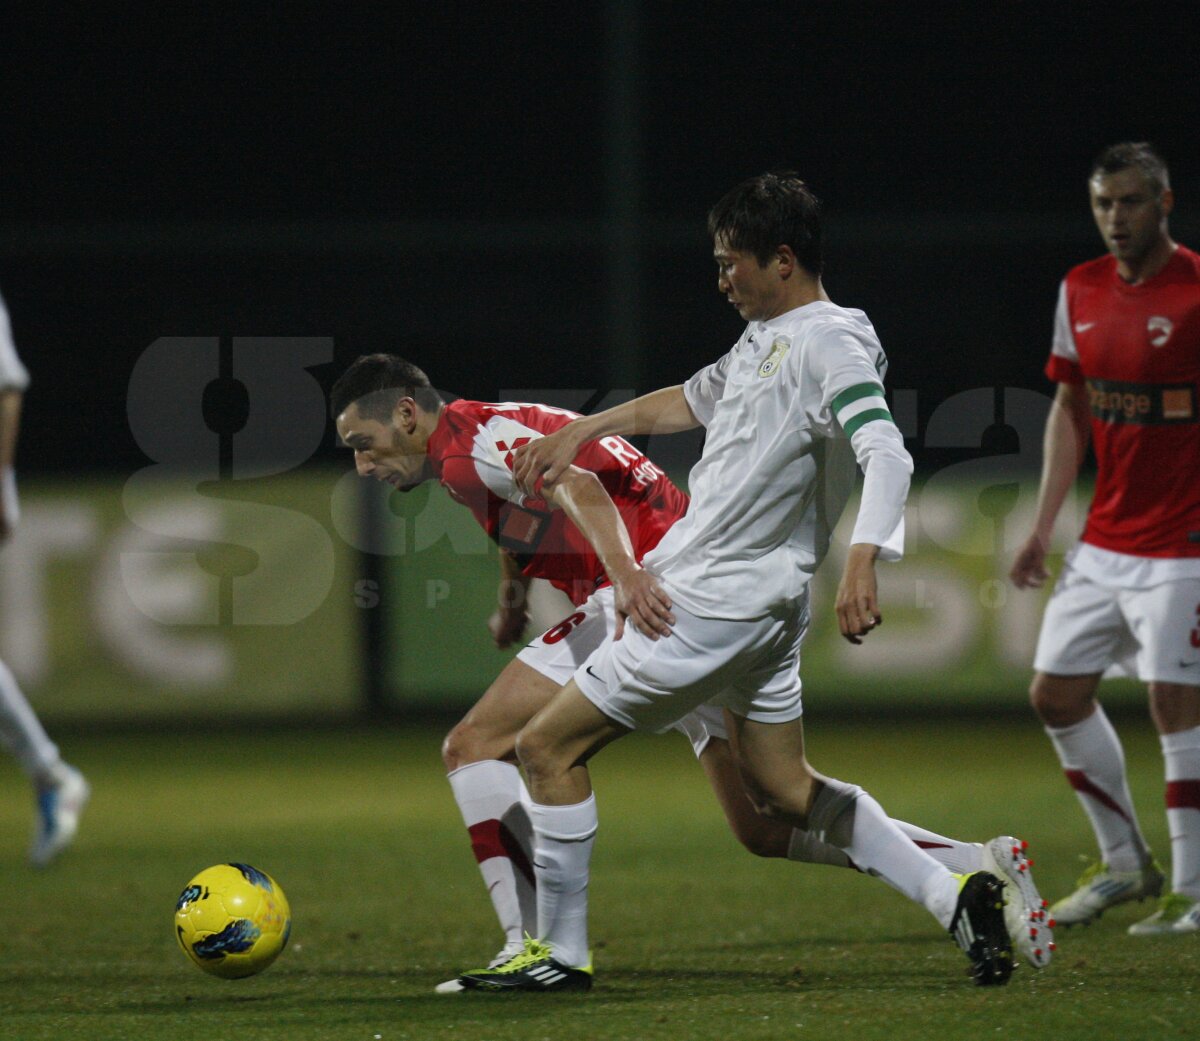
(779, 351)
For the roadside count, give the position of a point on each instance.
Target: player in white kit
(60, 791)
(787, 412)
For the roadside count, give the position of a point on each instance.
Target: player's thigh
(489, 729)
(758, 834)
(773, 765)
(1165, 620)
(1084, 630)
(566, 732)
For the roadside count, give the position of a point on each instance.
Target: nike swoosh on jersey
(1083, 327)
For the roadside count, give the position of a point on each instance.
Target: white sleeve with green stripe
(861, 411)
(857, 406)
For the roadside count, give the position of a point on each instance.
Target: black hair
(1137, 154)
(765, 212)
(376, 382)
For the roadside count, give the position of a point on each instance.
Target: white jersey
(787, 411)
(12, 373)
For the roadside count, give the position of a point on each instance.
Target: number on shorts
(560, 631)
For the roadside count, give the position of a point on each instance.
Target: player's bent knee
(1062, 701)
(467, 743)
(456, 747)
(774, 807)
(762, 837)
(1174, 707)
(534, 749)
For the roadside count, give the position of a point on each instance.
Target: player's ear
(404, 415)
(1166, 201)
(785, 259)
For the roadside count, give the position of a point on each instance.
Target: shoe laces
(1096, 867)
(1174, 906)
(534, 952)
(509, 951)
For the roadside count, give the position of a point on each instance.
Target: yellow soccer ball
(232, 920)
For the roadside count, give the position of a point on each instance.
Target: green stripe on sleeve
(852, 394)
(865, 417)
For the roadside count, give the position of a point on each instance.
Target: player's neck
(798, 294)
(426, 424)
(1149, 264)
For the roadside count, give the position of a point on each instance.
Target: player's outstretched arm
(638, 595)
(663, 411)
(1068, 428)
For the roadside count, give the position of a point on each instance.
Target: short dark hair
(765, 212)
(1139, 154)
(376, 382)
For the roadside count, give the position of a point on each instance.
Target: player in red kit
(1126, 357)
(612, 508)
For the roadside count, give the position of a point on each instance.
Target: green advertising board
(141, 599)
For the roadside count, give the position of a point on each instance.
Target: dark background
(513, 195)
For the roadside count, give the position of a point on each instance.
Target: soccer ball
(232, 920)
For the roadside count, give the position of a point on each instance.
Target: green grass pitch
(694, 939)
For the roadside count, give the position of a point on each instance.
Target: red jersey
(1137, 351)
(471, 450)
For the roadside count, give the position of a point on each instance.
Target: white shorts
(563, 648)
(1152, 634)
(751, 667)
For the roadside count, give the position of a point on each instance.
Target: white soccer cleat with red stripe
(1029, 923)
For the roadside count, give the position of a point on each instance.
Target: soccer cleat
(1029, 925)
(1177, 914)
(978, 927)
(533, 969)
(509, 950)
(1098, 889)
(60, 801)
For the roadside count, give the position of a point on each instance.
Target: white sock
(21, 732)
(959, 857)
(563, 840)
(1181, 752)
(1094, 764)
(494, 805)
(847, 817)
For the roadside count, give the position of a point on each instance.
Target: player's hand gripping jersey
(1137, 351)
(471, 451)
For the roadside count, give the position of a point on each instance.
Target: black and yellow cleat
(532, 969)
(978, 927)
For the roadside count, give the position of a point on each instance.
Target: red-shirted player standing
(1126, 356)
(403, 433)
